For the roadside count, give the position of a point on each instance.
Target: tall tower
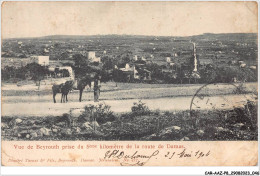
(195, 58)
(195, 74)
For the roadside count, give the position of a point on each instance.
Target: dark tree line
(179, 74)
(31, 71)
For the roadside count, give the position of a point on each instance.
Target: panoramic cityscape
(111, 87)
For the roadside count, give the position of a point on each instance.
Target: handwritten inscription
(138, 159)
(184, 154)
(133, 158)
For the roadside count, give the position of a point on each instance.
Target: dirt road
(30, 94)
(29, 101)
(119, 106)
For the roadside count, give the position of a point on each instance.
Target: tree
(80, 60)
(106, 75)
(181, 73)
(156, 71)
(81, 65)
(108, 63)
(64, 56)
(37, 72)
(123, 59)
(8, 72)
(208, 74)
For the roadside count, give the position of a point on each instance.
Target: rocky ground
(100, 123)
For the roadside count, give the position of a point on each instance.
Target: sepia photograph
(112, 73)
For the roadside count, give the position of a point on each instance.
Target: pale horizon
(173, 19)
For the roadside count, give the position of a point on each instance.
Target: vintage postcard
(129, 83)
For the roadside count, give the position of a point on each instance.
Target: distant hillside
(224, 36)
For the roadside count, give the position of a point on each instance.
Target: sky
(35, 19)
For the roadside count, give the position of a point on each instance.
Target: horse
(82, 83)
(64, 89)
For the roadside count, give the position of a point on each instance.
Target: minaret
(195, 58)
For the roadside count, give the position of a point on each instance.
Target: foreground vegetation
(100, 123)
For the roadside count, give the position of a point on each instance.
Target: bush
(240, 89)
(140, 109)
(168, 113)
(251, 113)
(156, 112)
(100, 113)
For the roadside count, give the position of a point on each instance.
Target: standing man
(96, 89)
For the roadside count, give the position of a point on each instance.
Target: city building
(41, 60)
(135, 72)
(70, 70)
(168, 59)
(92, 57)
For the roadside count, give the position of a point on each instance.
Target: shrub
(240, 89)
(100, 113)
(168, 113)
(156, 112)
(250, 109)
(140, 109)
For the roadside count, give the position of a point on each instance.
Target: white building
(92, 57)
(41, 60)
(253, 67)
(70, 70)
(127, 68)
(168, 59)
(96, 59)
(242, 65)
